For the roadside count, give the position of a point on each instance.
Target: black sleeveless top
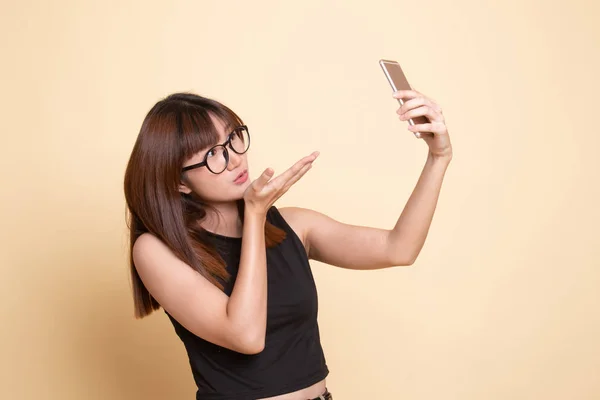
(293, 358)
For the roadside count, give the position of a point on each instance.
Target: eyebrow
(228, 129)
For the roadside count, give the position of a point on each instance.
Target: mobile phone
(395, 76)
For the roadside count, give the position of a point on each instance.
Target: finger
(293, 170)
(434, 127)
(416, 102)
(263, 179)
(296, 178)
(406, 94)
(425, 111)
(289, 178)
(427, 97)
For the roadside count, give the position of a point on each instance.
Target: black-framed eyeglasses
(217, 157)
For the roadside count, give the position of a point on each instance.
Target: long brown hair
(176, 128)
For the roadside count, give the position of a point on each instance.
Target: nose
(235, 160)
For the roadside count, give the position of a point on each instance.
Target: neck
(226, 222)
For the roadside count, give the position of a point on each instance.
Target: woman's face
(217, 188)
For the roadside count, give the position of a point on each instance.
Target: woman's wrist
(439, 159)
(254, 217)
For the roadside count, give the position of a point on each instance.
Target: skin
(218, 189)
(238, 322)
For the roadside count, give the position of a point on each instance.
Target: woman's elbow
(252, 344)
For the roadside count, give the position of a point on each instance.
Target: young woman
(229, 268)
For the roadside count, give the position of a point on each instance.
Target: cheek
(212, 187)
(199, 181)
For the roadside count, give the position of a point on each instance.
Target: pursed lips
(241, 173)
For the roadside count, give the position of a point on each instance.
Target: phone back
(395, 75)
(398, 81)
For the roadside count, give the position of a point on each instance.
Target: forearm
(408, 236)
(247, 306)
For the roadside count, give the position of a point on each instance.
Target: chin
(240, 190)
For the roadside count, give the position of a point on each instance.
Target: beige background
(504, 299)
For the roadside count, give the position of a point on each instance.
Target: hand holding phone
(398, 81)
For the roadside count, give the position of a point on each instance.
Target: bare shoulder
(146, 239)
(145, 246)
(301, 220)
(150, 255)
(296, 219)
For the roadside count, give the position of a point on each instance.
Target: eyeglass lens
(217, 158)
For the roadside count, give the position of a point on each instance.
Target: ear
(183, 188)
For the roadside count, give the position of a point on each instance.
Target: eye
(211, 153)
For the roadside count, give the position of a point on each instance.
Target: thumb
(263, 179)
